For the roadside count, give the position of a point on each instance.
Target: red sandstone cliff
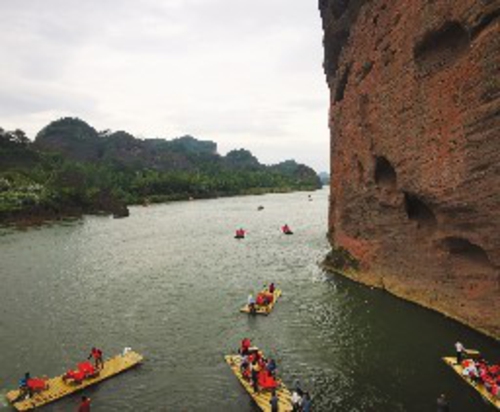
(415, 149)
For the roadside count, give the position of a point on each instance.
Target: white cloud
(245, 74)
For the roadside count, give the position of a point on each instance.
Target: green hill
(71, 168)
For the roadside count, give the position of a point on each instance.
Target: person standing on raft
(251, 303)
(97, 355)
(460, 352)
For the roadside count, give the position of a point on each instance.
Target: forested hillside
(71, 169)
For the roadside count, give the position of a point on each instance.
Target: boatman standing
(97, 355)
(460, 351)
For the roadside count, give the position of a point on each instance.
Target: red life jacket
(84, 406)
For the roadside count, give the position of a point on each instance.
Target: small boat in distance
(56, 388)
(240, 233)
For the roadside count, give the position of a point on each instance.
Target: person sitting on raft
(97, 355)
(286, 229)
(264, 298)
(271, 367)
(28, 386)
(272, 288)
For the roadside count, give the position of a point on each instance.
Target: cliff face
(415, 149)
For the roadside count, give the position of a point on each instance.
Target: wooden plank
(451, 361)
(264, 310)
(58, 388)
(261, 398)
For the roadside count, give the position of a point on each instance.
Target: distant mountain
(324, 177)
(72, 168)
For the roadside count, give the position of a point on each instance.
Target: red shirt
(84, 406)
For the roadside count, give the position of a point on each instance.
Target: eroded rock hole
(484, 22)
(385, 175)
(339, 92)
(463, 248)
(442, 46)
(418, 211)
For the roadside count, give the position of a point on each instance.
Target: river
(169, 280)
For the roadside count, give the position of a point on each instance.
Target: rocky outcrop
(415, 149)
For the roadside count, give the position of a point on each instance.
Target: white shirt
(296, 398)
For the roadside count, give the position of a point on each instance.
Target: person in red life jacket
(272, 288)
(84, 405)
(97, 355)
(245, 347)
(286, 229)
(261, 299)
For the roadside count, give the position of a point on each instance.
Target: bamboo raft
(261, 398)
(264, 310)
(58, 389)
(451, 361)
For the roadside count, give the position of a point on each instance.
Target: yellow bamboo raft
(262, 398)
(264, 310)
(451, 361)
(58, 389)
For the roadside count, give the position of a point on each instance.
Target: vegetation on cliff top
(71, 168)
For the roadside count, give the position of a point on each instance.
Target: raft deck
(264, 310)
(261, 398)
(58, 389)
(451, 361)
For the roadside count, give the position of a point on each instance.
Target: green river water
(169, 281)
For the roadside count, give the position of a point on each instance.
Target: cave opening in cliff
(385, 175)
(418, 211)
(441, 46)
(463, 248)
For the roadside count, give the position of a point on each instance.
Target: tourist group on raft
(241, 233)
(264, 298)
(478, 370)
(260, 372)
(28, 386)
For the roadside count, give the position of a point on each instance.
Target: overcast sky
(244, 73)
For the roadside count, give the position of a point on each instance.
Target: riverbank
(39, 215)
(341, 263)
